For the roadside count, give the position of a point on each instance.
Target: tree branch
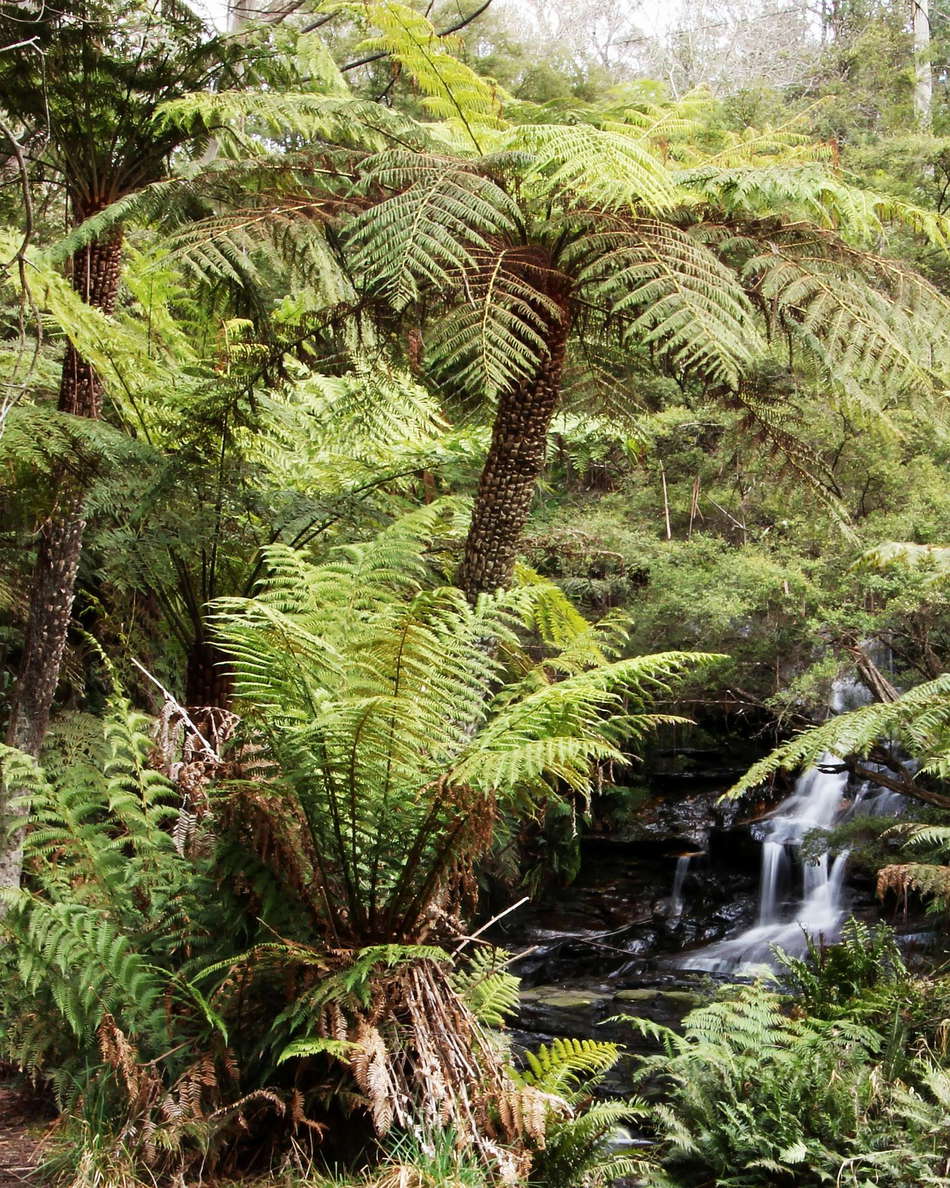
(902, 784)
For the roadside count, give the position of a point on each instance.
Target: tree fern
(379, 699)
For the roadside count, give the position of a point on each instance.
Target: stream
(697, 892)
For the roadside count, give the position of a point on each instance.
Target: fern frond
(442, 212)
(497, 336)
(452, 90)
(920, 719)
(559, 1066)
(485, 986)
(612, 169)
(671, 292)
(335, 119)
(815, 195)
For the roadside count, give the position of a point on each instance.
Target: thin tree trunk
(96, 279)
(923, 72)
(514, 464)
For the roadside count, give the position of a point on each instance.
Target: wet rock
(554, 1010)
(589, 1011)
(674, 819)
(584, 1011)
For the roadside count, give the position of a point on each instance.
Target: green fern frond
(671, 292)
(871, 323)
(317, 1046)
(381, 704)
(919, 719)
(441, 213)
(559, 1066)
(497, 336)
(335, 119)
(612, 169)
(452, 90)
(816, 195)
(486, 987)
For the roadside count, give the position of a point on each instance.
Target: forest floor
(21, 1133)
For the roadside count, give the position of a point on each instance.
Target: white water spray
(679, 878)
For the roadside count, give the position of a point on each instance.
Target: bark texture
(514, 464)
(96, 279)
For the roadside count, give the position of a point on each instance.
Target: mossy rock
(637, 995)
(565, 1000)
(688, 998)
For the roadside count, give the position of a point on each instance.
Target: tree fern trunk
(512, 469)
(208, 679)
(96, 279)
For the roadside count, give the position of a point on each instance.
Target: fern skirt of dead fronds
(425, 1064)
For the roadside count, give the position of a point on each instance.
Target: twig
(179, 708)
(666, 504)
(729, 516)
(484, 928)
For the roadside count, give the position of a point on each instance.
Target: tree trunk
(208, 680)
(96, 279)
(514, 464)
(923, 73)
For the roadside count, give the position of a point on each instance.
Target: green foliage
(109, 68)
(580, 1146)
(929, 879)
(560, 1065)
(755, 1091)
(400, 731)
(453, 90)
(101, 946)
(322, 284)
(863, 974)
(578, 1151)
(486, 987)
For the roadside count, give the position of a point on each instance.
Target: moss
(684, 1000)
(565, 1000)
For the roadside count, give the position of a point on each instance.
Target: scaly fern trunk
(512, 469)
(96, 279)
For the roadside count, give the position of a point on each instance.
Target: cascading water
(817, 803)
(679, 878)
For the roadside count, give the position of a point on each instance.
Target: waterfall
(773, 865)
(676, 897)
(817, 803)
